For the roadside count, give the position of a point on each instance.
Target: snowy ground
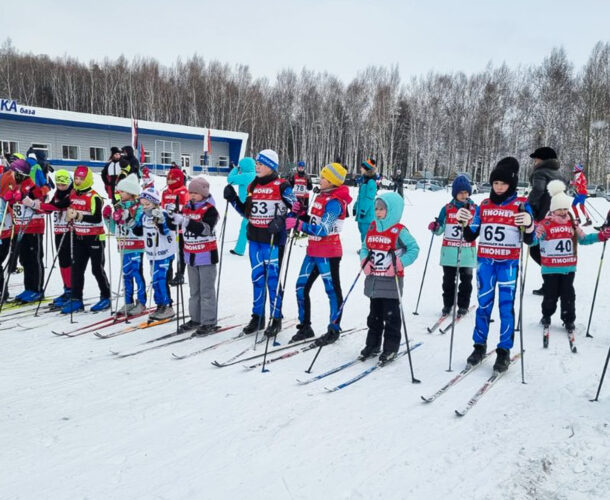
(76, 422)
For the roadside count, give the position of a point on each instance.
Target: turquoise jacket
(242, 176)
(583, 239)
(364, 209)
(407, 249)
(468, 256)
(130, 223)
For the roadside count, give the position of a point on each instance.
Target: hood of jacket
(247, 165)
(394, 207)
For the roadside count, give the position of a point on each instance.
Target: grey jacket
(539, 198)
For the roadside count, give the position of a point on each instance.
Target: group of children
(182, 220)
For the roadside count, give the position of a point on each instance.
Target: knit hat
(247, 164)
(62, 177)
(578, 168)
(334, 173)
(151, 194)
(175, 174)
(87, 174)
(506, 170)
(145, 172)
(200, 185)
(369, 164)
(20, 167)
(130, 185)
(559, 198)
(269, 158)
(301, 164)
(460, 183)
(114, 150)
(544, 153)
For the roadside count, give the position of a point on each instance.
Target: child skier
(198, 219)
(447, 225)
(558, 235)
(160, 244)
(242, 176)
(387, 249)
(364, 206)
(269, 198)
(173, 198)
(323, 251)
(58, 206)
(121, 222)
(89, 238)
(301, 185)
(29, 226)
(580, 184)
(502, 221)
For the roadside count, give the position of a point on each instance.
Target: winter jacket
(407, 249)
(242, 176)
(468, 255)
(205, 227)
(364, 209)
(539, 198)
(129, 163)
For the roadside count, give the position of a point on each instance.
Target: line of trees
(440, 123)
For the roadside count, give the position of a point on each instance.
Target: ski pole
(340, 310)
(122, 263)
(522, 277)
(110, 266)
(601, 380)
(72, 269)
(46, 244)
(421, 287)
(522, 286)
(599, 271)
(591, 206)
(455, 292)
(279, 289)
(402, 317)
(222, 246)
(61, 242)
(258, 327)
(11, 249)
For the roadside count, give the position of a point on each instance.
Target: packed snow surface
(76, 421)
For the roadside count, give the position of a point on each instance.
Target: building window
(166, 157)
(202, 160)
(223, 161)
(43, 147)
(185, 161)
(69, 152)
(96, 154)
(9, 147)
(146, 157)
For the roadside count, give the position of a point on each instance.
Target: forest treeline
(442, 123)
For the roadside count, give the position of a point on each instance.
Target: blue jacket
(242, 176)
(364, 209)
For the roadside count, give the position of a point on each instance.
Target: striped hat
(369, 164)
(269, 158)
(578, 168)
(152, 195)
(334, 173)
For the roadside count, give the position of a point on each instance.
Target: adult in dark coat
(111, 171)
(546, 169)
(398, 181)
(130, 164)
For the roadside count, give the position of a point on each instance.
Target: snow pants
(328, 269)
(503, 273)
(558, 286)
(265, 260)
(63, 257)
(363, 227)
(240, 246)
(464, 288)
(30, 256)
(133, 271)
(85, 248)
(202, 301)
(384, 321)
(160, 269)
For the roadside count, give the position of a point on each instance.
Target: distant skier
(580, 184)
(301, 185)
(364, 211)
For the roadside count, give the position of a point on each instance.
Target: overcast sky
(341, 37)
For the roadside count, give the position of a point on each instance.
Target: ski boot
(368, 352)
(569, 326)
(72, 306)
(502, 360)
(235, 253)
(274, 327)
(446, 311)
(60, 301)
(188, 326)
(204, 330)
(462, 311)
(477, 355)
(304, 332)
(330, 337)
(102, 305)
(136, 309)
(588, 223)
(545, 321)
(256, 323)
(29, 296)
(540, 291)
(387, 357)
(161, 313)
(178, 279)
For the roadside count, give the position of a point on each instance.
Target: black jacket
(539, 198)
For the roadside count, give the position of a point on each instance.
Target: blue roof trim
(114, 128)
(100, 164)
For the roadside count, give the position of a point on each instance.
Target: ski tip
(59, 334)
(459, 413)
(176, 356)
(216, 364)
(426, 400)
